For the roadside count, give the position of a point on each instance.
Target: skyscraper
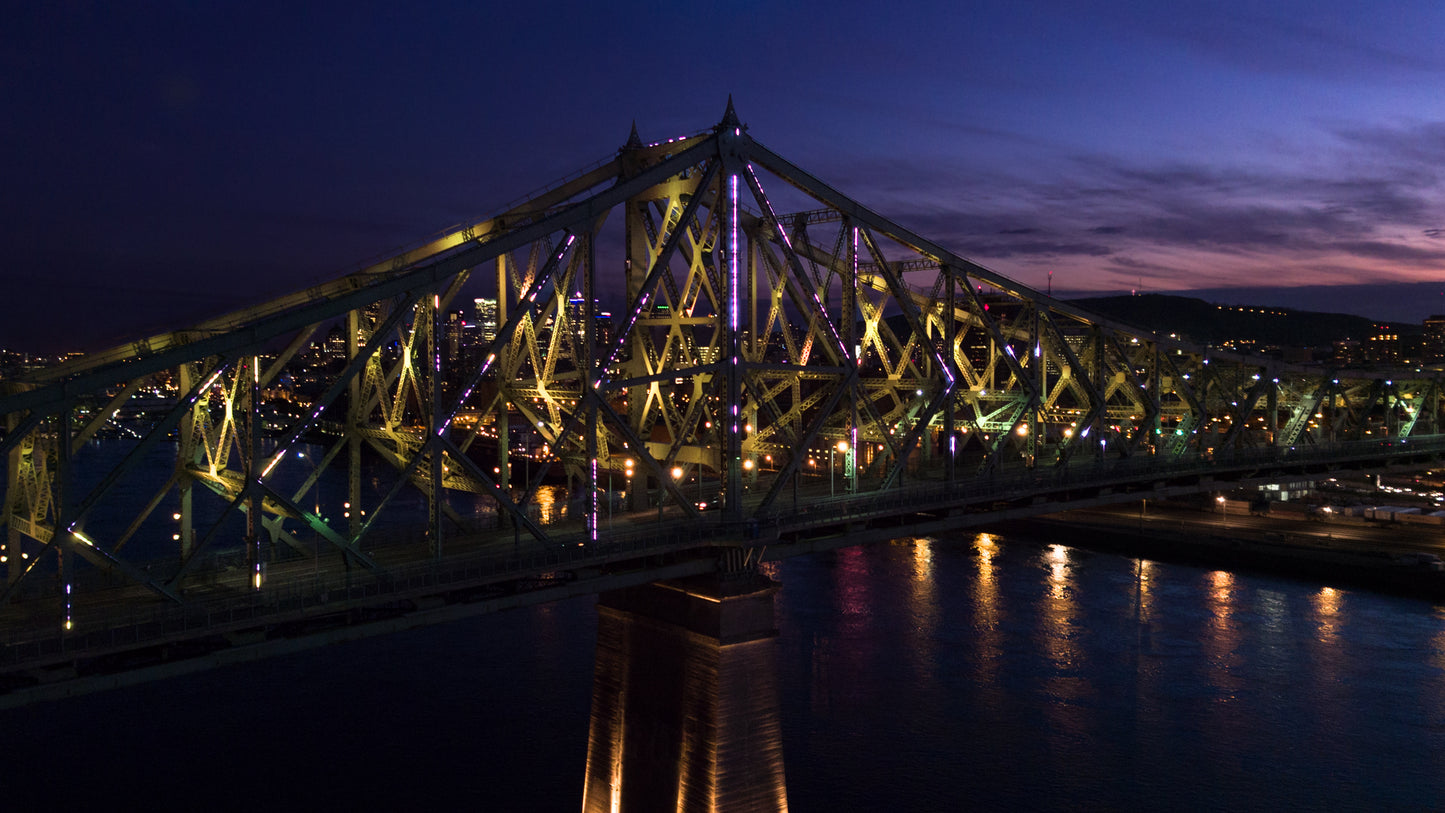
(487, 317)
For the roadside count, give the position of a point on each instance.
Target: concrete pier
(685, 699)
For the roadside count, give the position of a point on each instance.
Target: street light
(316, 496)
(1223, 510)
(609, 492)
(627, 475)
(841, 447)
(662, 497)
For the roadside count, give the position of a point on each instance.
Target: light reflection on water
(1080, 680)
(1059, 637)
(923, 607)
(974, 671)
(986, 627)
(1144, 570)
(1327, 603)
(1221, 638)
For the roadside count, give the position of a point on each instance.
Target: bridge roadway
(124, 635)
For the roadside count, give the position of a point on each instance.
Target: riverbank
(1386, 557)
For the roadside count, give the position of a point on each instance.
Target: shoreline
(1278, 546)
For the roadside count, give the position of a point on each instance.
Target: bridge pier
(685, 698)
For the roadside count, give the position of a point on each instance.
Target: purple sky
(164, 162)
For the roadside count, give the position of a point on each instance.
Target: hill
(1209, 323)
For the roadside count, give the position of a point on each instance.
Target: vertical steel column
(1101, 416)
(1392, 401)
(1156, 384)
(1035, 351)
(848, 316)
(14, 540)
(755, 348)
(729, 181)
(256, 557)
(436, 426)
(504, 432)
(636, 265)
(354, 419)
(758, 347)
(1334, 410)
(1433, 404)
(1271, 406)
(65, 551)
(185, 457)
(950, 336)
(586, 363)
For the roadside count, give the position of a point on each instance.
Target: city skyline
(168, 165)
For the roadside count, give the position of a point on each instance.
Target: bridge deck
(307, 602)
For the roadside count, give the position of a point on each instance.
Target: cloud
(999, 250)
(1420, 146)
(1347, 203)
(1390, 251)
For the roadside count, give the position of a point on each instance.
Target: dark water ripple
(950, 674)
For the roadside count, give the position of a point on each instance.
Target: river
(955, 673)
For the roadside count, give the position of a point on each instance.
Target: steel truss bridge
(785, 372)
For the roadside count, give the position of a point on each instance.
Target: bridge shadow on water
(685, 709)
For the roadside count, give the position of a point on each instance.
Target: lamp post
(841, 447)
(662, 497)
(316, 499)
(627, 478)
(1223, 510)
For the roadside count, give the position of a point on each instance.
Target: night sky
(167, 162)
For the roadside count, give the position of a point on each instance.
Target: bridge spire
(730, 119)
(633, 140)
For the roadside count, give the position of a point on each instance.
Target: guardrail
(299, 595)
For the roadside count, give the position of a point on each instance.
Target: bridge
(786, 371)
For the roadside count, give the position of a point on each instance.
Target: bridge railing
(1023, 483)
(298, 595)
(495, 562)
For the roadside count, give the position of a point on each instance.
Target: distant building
(455, 325)
(487, 317)
(1291, 354)
(577, 320)
(1412, 350)
(335, 346)
(601, 321)
(602, 331)
(1435, 339)
(1349, 353)
(1384, 346)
